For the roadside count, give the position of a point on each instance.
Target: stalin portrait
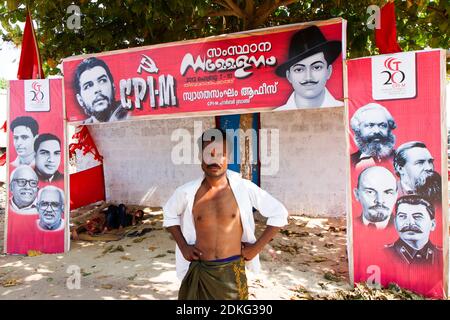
(414, 221)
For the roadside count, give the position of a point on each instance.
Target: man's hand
(249, 250)
(191, 253)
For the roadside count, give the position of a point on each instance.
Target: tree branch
(222, 13)
(230, 5)
(264, 12)
(249, 7)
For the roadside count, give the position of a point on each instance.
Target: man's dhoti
(215, 280)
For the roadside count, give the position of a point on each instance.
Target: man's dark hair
(416, 200)
(400, 158)
(45, 137)
(210, 135)
(88, 64)
(25, 121)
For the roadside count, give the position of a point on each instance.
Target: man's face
(418, 167)
(48, 157)
(23, 141)
(413, 223)
(24, 187)
(214, 159)
(374, 125)
(50, 207)
(309, 76)
(374, 136)
(96, 90)
(377, 193)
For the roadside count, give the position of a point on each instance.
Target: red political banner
(398, 170)
(36, 210)
(284, 68)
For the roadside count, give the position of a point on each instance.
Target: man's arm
(189, 252)
(173, 210)
(267, 205)
(270, 208)
(250, 250)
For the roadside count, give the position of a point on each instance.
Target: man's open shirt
(178, 211)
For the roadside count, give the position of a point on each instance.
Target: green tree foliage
(117, 24)
(3, 84)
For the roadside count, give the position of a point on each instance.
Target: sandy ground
(306, 260)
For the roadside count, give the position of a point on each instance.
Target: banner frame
(444, 169)
(8, 116)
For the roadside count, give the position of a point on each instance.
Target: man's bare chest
(212, 205)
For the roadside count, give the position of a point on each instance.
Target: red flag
(84, 143)
(30, 66)
(386, 36)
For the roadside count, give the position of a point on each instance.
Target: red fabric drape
(87, 187)
(30, 66)
(386, 36)
(2, 159)
(3, 156)
(84, 143)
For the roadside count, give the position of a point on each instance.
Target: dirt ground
(307, 260)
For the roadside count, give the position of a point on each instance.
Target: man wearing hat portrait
(308, 68)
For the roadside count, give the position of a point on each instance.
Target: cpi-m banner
(36, 211)
(398, 221)
(284, 68)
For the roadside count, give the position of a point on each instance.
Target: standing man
(414, 164)
(376, 192)
(372, 126)
(308, 69)
(24, 189)
(211, 220)
(24, 130)
(95, 92)
(48, 157)
(414, 221)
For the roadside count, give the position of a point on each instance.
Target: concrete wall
(137, 159)
(310, 180)
(312, 169)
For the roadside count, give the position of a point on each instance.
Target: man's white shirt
(178, 211)
(329, 101)
(31, 209)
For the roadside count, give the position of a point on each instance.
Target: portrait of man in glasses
(50, 204)
(24, 189)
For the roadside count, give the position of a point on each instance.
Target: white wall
(3, 118)
(310, 180)
(137, 159)
(312, 170)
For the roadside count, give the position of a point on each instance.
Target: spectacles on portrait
(43, 205)
(23, 182)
